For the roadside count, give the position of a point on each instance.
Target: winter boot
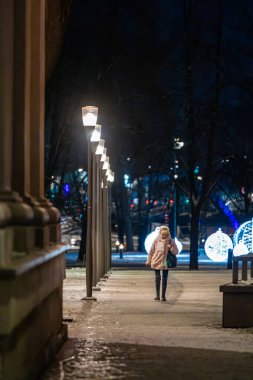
(164, 287)
(157, 286)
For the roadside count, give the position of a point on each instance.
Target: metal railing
(245, 259)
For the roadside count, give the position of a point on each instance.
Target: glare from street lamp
(89, 115)
(95, 137)
(100, 147)
(108, 173)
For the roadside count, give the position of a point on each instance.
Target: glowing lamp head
(108, 172)
(106, 164)
(95, 137)
(100, 147)
(103, 157)
(89, 115)
(112, 177)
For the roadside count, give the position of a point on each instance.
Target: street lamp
(89, 116)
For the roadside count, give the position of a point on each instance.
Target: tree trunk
(194, 235)
(140, 221)
(81, 254)
(127, 221)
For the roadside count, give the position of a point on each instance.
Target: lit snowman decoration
(153, 235)
(244, 235)
(217, 246)
(240, 249)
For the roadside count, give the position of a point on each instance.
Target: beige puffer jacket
(157, 256)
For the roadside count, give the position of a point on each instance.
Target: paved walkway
(125, 334)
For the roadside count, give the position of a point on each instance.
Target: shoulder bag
(171, 260)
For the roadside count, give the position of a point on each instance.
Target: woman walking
(157, 259)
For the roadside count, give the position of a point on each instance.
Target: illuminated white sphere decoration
(179, 245)
(217, 246)
(244, 234)
(240, 249)
(151, 237)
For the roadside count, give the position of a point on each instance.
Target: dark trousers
(158, 281)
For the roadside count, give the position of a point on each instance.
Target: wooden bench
(238, 295)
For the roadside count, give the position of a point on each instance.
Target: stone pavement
(125, 334)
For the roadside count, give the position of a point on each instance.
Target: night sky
(152, 67)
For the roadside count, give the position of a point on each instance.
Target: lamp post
(105, 169)
(177, 145)
(89, 116)
(110, 180)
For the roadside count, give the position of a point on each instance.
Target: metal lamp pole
(98, 213)
(105, 168)
(95, 144)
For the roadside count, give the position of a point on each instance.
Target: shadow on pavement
(86, 359)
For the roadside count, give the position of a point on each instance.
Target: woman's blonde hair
(165, 228)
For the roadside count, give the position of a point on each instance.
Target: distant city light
(66, 188)
(217, 246)
(196, 170)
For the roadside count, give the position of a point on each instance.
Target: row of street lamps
(100, 178)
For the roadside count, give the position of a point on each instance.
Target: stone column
(20, 213)
(46, 216)
(6, 65)
(31, 286)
